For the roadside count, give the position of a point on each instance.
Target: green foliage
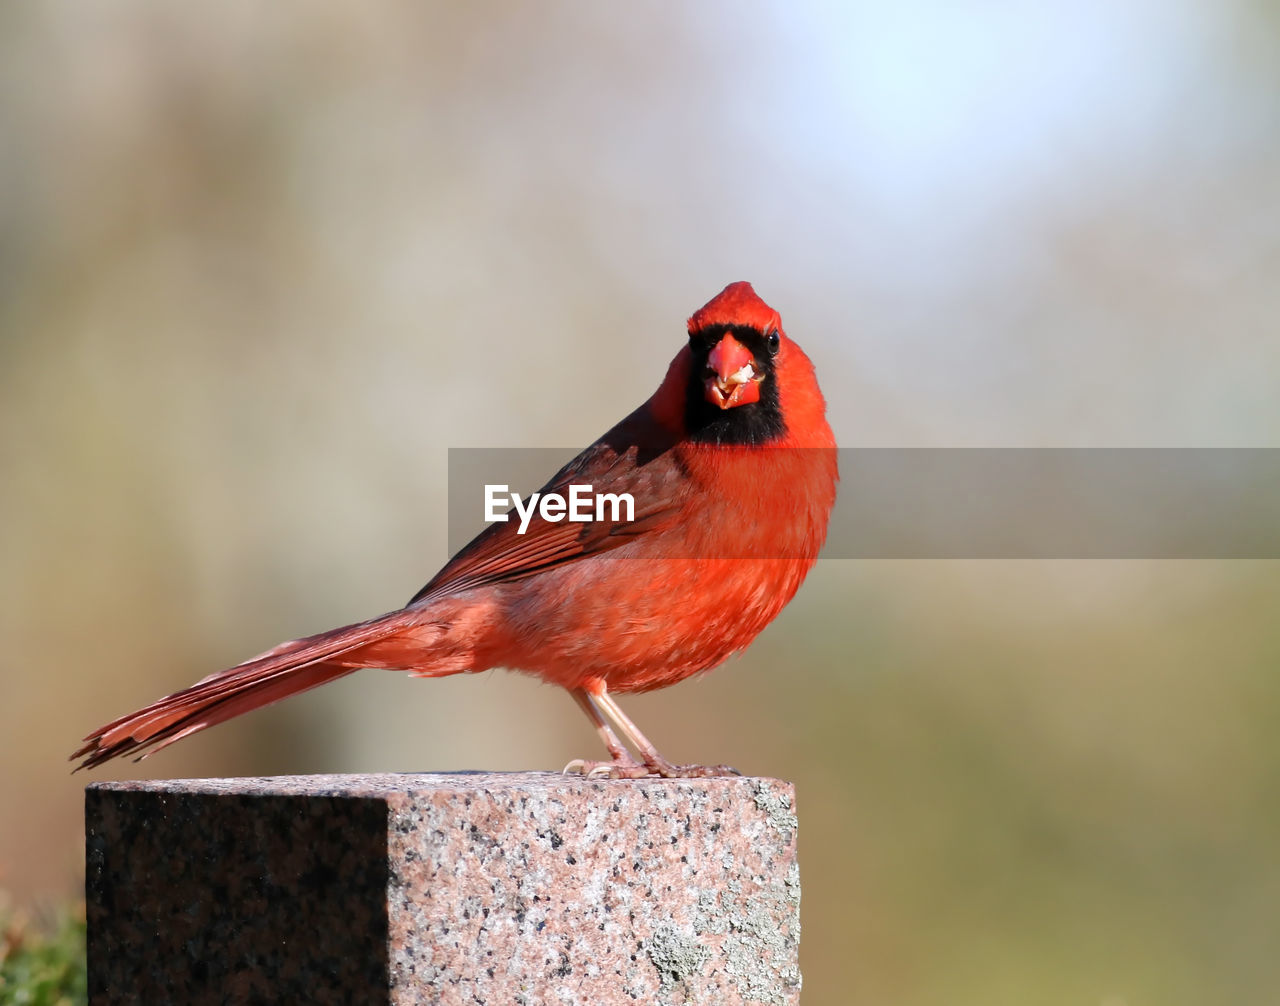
(42, 968)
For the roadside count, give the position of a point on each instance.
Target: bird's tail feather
(285, 670)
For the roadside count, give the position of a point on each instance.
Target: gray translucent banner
(989, 503)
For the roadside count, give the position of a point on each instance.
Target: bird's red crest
(736, 304)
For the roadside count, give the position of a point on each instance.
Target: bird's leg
(622, 760)
(654, 763)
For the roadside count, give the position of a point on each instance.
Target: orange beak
(731, 377)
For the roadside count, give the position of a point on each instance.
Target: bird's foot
(629, 768)
(620, 768)
(669, 771)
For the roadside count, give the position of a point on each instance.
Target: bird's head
(736, 345)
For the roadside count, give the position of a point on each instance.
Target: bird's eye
(774, 341)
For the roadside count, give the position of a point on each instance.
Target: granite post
(452, 888)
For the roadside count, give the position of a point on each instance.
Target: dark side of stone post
(452, 888)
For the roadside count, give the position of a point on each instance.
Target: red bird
(732, 468)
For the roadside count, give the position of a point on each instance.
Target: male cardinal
(732, 469)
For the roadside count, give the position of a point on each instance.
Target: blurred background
(262, 265)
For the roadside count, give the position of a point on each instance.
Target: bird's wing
(500, 553)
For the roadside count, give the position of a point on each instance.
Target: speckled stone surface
(476, 888)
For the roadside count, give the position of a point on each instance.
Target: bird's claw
(630, 769)
(619, 769)
(694, 771)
